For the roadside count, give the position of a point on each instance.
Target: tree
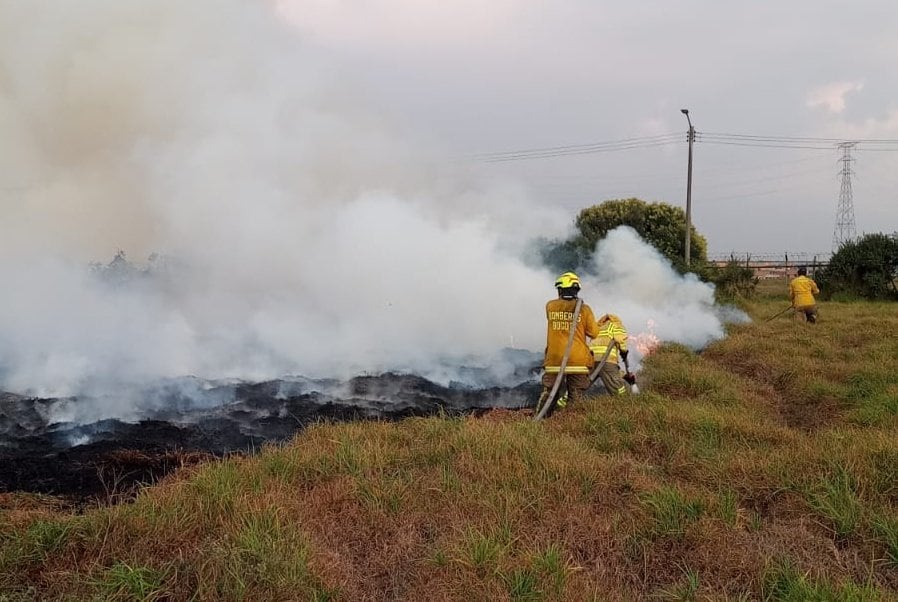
(661, 225)
(864, 268)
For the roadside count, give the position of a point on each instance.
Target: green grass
(685, 590)
(523, 585)
(481, 551)
(784, 583)
(728, 507)
(124, 582)
(671, 512)
(836, 499)
(707, 438)
(886, 529)
(777, 442)
(43, 537)
(552, 566)
(884, 465)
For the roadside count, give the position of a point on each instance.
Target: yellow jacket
(610, 329)
(560, 314)
(802, 290)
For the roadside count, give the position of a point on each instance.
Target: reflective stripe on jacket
(560, 315)
(611, 330)
(568, 369)
(802, 290)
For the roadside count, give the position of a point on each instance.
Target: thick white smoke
(305, 237)
(639, 285)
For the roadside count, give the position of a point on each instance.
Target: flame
(646, 341)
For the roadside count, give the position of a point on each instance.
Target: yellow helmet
(567, 280)
(609, 318)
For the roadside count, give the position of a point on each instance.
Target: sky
(479, 77)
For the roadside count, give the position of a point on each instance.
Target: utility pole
(688, 241)
(845, 230)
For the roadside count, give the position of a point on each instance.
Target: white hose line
(550, 400)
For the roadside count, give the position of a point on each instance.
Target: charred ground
(108, 459)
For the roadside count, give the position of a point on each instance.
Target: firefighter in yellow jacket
(559, 317)
(801, 292)
(611, 332)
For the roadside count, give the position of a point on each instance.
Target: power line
(799, 138)
(581, 146)
(574, 146)
(607, 149)
(792, 142)
(707, 185)
(721, 138)
(579, 149)
(762, 145)
(712, 178)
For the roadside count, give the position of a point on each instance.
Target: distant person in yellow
(801, 291)
(560, 320)
(613, 333)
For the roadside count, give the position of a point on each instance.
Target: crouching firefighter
(612, 333)
(801, 293)
(568, 358)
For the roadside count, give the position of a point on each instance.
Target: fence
(773, 265)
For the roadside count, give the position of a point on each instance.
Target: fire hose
(777, 315)
(593, 376)
(550, 400)
(629, 376)
(595, 373)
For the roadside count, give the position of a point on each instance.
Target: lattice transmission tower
(845, 229)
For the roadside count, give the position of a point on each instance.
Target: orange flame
(646, 341)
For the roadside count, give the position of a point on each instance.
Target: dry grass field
(763, 468)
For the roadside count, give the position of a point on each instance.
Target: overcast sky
(473, 76)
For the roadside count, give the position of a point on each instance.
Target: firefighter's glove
(624, 354)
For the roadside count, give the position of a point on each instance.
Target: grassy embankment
(764, 468)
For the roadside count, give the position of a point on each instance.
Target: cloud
(399, 22)
(884, 126)
(832, 95)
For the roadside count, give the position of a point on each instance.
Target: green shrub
(864, 268)
(733, 281)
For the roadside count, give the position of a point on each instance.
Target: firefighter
(801, 292)
(559, 317)
(611, 332)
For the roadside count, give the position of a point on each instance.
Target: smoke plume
(638, 284)
(301, 235)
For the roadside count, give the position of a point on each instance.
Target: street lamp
(689, 186)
